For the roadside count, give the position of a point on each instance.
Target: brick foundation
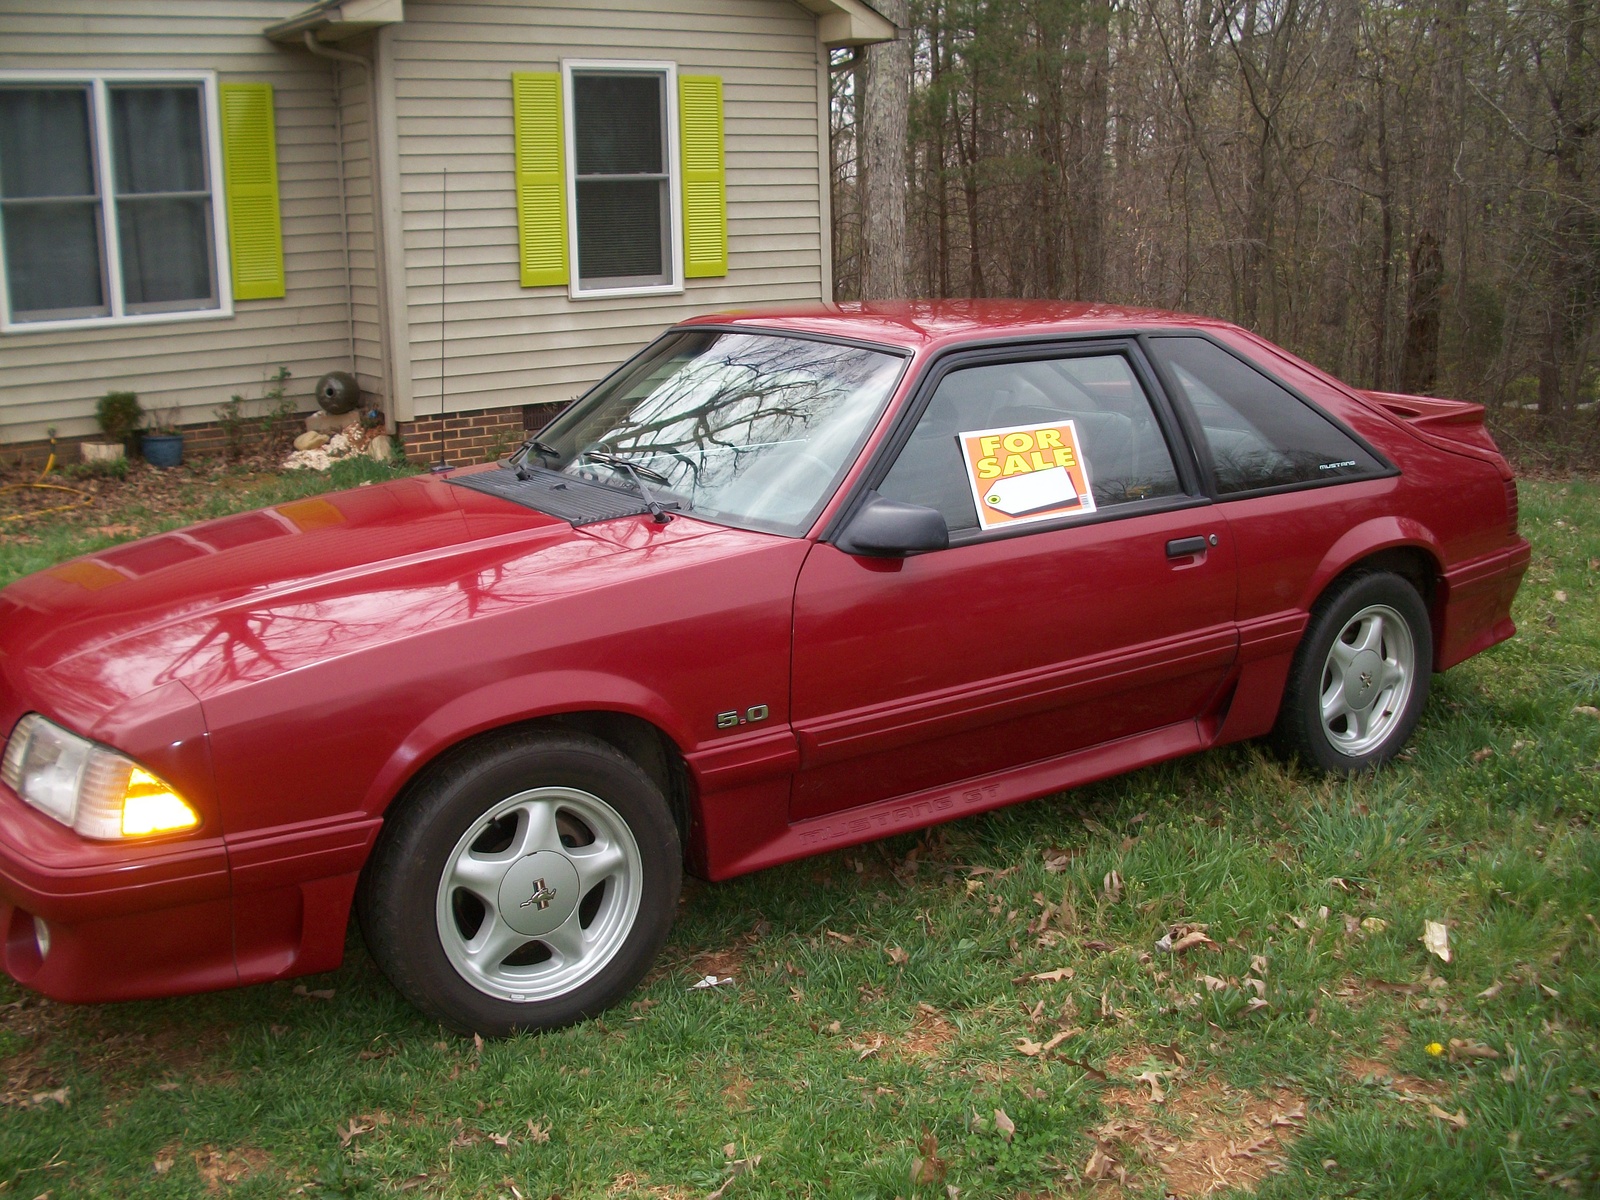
(476, 436)
(199, 441)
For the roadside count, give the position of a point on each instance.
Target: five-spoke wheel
(527, 882)
(1361, 675)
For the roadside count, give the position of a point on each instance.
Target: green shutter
(541, 182)
(250, 183)
(705, 197)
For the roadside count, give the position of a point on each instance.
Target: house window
(108, 200)
(621, 160)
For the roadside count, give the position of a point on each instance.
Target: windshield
(751, 429)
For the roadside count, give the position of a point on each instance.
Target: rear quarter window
(1260, 434)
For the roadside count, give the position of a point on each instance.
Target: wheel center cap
(1361, 679)
(539, 893)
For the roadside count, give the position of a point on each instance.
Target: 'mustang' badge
(1026, 473)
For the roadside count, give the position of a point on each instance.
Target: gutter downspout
(321, 51)
(375, 155)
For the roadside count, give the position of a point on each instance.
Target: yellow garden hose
(85, 499)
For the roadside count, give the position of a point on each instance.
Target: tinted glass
(617, 124)
(750, 429)
(1124, 452)
(157, 144)
(1260, 434)
(166, 251)
(44, 143)
(53, 260)
(620, 229)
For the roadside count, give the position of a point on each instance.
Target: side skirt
(920, 809)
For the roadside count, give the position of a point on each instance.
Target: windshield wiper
(637, 474)
(518, 460)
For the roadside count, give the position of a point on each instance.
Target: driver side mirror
(884, 528)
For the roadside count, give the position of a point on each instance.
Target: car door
(1040, 630)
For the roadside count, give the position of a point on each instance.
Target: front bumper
(124, 921)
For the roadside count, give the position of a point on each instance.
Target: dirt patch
(1405, 1087)
(220, 1169)
(1201, 1135)
(730, 960)
(629, 1186)
(929, 1035)
(57, 1038)
(736, 1092)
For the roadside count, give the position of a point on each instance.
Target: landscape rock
(381, 448)
(311, 439)
(331, 423)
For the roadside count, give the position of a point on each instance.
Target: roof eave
(849, 23)
(336, 20)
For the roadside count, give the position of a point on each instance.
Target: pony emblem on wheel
(542, 895)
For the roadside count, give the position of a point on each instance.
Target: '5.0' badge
(733, 717)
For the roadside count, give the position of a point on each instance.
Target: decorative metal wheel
(539, 894)
(1367, 680)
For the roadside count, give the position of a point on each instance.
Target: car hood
(219, 604)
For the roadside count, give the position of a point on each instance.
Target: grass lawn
(980, 1011)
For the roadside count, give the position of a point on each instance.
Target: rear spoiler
(1450, 424)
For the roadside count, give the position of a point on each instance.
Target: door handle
(1183, 547)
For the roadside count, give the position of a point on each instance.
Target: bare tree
(885, 105)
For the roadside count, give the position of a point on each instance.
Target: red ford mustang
(782, 583)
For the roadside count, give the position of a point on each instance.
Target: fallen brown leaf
(897, 956)
(300, 989)
(1111, 887)
(1004, 1125)
(927, 1166)
(1458, 1119)
(1158, 1094)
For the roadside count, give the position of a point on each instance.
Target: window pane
(1124, 452)
(1259, 433)
(44, 142)
(156, 141)
(620, 229)
(166, 251)
(617, 126)
(53, 259)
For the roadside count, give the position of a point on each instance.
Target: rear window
(1261, 435)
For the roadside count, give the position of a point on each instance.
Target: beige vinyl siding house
(397, 164)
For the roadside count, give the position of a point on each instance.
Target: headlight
(96, 791)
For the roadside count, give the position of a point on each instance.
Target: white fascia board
(849, 23)
(335, 20)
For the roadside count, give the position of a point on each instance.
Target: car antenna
(444, 243)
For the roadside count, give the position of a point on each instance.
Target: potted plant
(162, 444)
(119, 415)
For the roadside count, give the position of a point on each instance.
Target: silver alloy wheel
(1367, 680)
(539, 894)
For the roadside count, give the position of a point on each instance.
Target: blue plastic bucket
(162, 449)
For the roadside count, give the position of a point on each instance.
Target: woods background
(1405, 194)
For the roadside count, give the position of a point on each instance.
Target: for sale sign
(1026, 473)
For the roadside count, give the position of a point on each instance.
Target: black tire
(426, 892)
(1371, 722)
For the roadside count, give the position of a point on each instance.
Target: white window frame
(100, 122)
(669, 73)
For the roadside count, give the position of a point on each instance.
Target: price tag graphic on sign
(1024, 473)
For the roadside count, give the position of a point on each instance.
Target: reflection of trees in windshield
(713, 406)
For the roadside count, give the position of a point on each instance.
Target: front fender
(509, 701)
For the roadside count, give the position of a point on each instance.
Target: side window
(1260, 434)
(1124, 456)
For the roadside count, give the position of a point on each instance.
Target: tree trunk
(884, 108)
(1419, 363)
